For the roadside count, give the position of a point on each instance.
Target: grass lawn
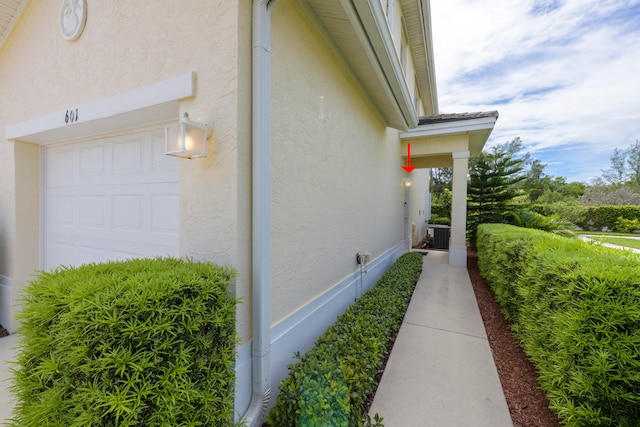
(607, 233)
(620, 241)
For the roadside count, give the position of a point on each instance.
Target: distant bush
(140, 342)
(440, 220)
(330, 383)
(575, 308)
(441, 203)
(601, 217)
(594, 218)
(627, 225)
(532, 219)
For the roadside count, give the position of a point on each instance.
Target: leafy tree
(619, 184)
(625, 167)
(441, 179)
(572, 190)
(597, 195)
(492, 187)
(536, 182)
(441, 204)
(514, 148)
(633, 164)
(553, 190)
(616, 174)
(440, 188)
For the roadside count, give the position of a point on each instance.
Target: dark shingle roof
(454, 117)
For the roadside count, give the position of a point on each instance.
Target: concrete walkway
(441, 371)
(7, 354)
(594, 238)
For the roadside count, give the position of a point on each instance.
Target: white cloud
(562, 74)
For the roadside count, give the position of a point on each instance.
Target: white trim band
(155, 103)
(447, 128)
(300, 329)
(461, 154)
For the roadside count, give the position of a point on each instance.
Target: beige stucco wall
(126, 45)
(437, 145)
(417, 212)
(337, 181)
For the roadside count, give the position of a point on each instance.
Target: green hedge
(598, 217)
(627, 225)
(575, 307)
(330, 383)
(593, 218)
(142, 342)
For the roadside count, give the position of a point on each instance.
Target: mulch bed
(528, 404)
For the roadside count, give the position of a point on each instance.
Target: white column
(457, 245)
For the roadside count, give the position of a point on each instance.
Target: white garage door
(110, 199)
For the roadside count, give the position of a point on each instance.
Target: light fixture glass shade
(187, 140)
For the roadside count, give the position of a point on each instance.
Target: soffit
(417, 19)
(368, 51)
(10, 11)
(477, 126)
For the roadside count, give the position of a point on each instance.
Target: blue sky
(563, 74)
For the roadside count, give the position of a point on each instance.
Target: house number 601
(71, 116)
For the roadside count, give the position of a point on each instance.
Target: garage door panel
(127, 212)
(111, 199)
(92, 161)
(59, 166)
(61, 211)
(89, 254)
(128, 157)
(91, 212)
(164, 214)
(60, 253)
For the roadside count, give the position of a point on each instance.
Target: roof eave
(479, 131)
(379, 40)
(14, 10)
(358, 32)
(432, 100)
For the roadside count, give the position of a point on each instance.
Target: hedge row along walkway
(441, 371)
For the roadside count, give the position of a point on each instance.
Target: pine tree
(492, 188)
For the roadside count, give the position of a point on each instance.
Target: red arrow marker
(408, 168)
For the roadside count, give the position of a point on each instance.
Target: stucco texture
(337, 181)
(125, 45)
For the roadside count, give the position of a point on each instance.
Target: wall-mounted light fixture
(189, 138)
(407, 182)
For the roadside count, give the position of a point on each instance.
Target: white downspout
(261, 212)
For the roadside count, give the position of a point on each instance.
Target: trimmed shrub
(601, 217)
(141, 342)
(627, 225)
(594, 218)
(575, 308)
(331, 382)
(440, 220)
